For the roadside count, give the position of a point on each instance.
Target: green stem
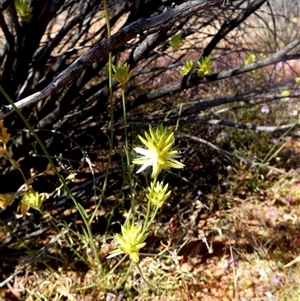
(111, 115)
(269, 154)
(62, 180)
(142, 275)
(126, 149)
(103, 278)
(179, 114)
(149, 219)
(154, 212)
(125, 124)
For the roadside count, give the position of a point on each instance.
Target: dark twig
(222, 151)
(146, 26)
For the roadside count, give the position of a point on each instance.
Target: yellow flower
(250, 58)
(285, 94)
(158, 194)
(294, 20)
(130, 242)
(23, 10)
(159, 152)
(176, 42)
(122, 73)
(205, 66)
(187, 67)
(33, 199)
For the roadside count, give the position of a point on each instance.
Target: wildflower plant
(23, 9)
(130, 241)
(121, 73)
(250, 58)
(187, 67)
(285, 94)
(159, 153)
(205, 66)
(176, 42)
(32, 199)
(158, 193)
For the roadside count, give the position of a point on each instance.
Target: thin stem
(179, 115)
(16, 165)
(106, 275)
(149, 219)
(145, 226)
(154, 212)
(142, 275)
(126, 149)
(62, 180)
(111, 115)
(125, 124)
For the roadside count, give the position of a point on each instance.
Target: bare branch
(180, 84)
(148, 26)
(252, 127)
(225, 152)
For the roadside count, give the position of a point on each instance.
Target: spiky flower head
(33, 199)
(121, 73)
(159, 152)
(23, 9)
(187, 67)
(176, 42)
(205, 66)
(158, 193)
(250, 58)
(130, 242)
